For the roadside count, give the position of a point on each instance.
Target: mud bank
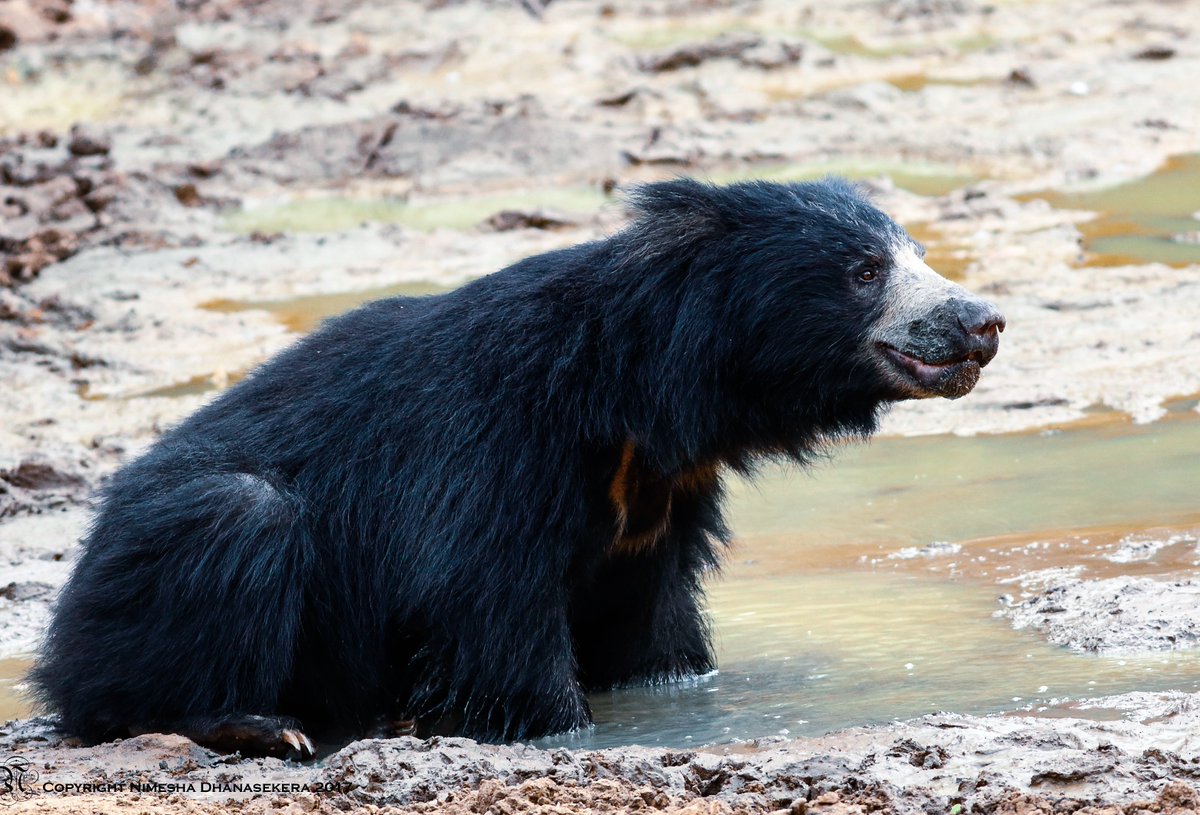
(1125, 614)
(1121, 751)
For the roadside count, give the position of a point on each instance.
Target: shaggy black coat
(473, 507)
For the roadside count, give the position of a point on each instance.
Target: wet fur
(420, 510)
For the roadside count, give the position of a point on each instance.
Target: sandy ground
(162, 163)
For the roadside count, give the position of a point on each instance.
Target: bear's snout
(981, 324)
(933, 337)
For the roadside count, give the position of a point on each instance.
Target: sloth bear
(470, 509)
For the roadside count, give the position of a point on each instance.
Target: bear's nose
(982, 323)
(980, 318)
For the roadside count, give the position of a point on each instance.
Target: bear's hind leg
(186, 604)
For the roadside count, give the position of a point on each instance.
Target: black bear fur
(474, 507)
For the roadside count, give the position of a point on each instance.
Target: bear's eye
(867, 275)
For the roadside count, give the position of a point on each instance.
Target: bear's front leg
(545, 707)
(503, 673)
(639, 620)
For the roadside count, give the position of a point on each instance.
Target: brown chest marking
(642, 499)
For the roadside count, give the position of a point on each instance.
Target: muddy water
(303, 314)
(914, 491)
(12, 703)
(832, 614)
(1152, 219)
(808, 654)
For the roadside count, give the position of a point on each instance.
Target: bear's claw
(249, 735)
(299, 742)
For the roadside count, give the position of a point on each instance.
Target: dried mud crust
(1119, 615)
(996, 764)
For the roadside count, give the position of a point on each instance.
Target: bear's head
(816, 292)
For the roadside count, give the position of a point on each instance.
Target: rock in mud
(693, 54)
(1155, 53)
(38, 483)
(85, 140)
(509, 219)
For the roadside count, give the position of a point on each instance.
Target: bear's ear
(681, 201)
(676, 216)
(850, 189)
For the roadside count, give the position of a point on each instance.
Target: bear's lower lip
(950, 378)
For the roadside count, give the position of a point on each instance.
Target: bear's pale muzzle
(934, 337)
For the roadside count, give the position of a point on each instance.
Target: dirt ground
(1135, 754)
(184, 185)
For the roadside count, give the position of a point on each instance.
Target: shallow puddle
(918, 178)
(1149, 220)
(12, 704)
(194, 386)
(808, 654)
(831, 613)
(303, 314)
(913, 83)
(338, 213)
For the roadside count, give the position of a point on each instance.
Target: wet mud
(1143, 760)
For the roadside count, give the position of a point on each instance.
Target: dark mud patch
(52, 195)
(39, 483)
(61, 193)
(509, 219)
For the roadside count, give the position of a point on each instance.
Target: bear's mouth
(922, 378)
